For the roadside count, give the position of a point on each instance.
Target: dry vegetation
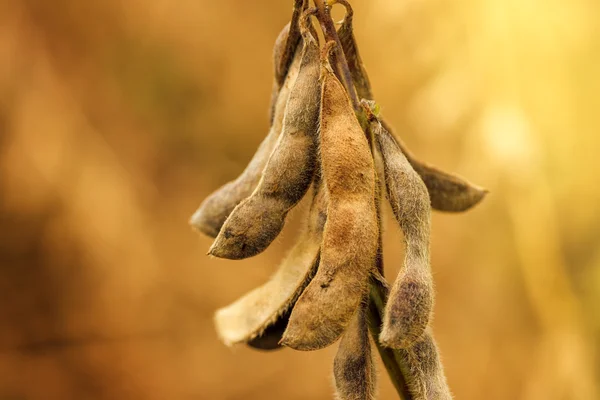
(116, 117)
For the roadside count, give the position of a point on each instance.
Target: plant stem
(341, 65)
(390, 357)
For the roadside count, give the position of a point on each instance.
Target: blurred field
(118, 117)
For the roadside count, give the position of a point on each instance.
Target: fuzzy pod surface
(258, 220)
(353, 367)
(448, 192)
(425, 376)
(410, 303)
(214, 210)
(252, 314)
(350, 239)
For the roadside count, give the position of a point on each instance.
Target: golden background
(118, 117)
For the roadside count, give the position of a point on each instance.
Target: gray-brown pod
(286, 45)
(410, 303)
(425, 374)
(353, 367)
(258, 220)
(447, 192)
(265, 308)
(355, 63)
(214, 210)
(350, 239)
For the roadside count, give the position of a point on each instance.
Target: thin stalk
(391, 359)
(341, 65)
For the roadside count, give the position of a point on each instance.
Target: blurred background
(118, 117)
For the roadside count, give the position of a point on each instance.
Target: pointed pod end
(479, 194)
(391, 339)
(231, 247)
(227, 330)
(308, 331)
(214, 251)
(199, 224)
(301, 342)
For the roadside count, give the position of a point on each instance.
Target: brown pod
(286, 44)
(215, 209)
(350, 239)
(447, 192)
(425, 374)
(269, 339)
(258, 220)
(247, 318)
(411, 299)
(353, 367)
(350, 48)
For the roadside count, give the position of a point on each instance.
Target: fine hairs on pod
(425, 377)
(350, 238)
(353, 367)
(447, 192)
(215, 209)
(258, 220)
(249, 317)
(410, 303)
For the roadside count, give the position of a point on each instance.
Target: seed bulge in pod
(410, 304)
(215, 209)
(350, 239)
(263, 307)
(353, 366)
(425, 374)
(259, 219)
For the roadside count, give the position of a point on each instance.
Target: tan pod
(246, 319)
(258, 220)
(214, 210)
(350, 239)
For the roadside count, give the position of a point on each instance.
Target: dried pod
(249, 317)
(269, 339)
(215, 209)
(259, 219)
(447, 192)
(284, 51)
(350, 48)
(287, 42)
(425, 375)
(410, 304)
(350, 244)
(353, 366)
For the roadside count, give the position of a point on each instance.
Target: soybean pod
(259, 219)
(350, 239)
